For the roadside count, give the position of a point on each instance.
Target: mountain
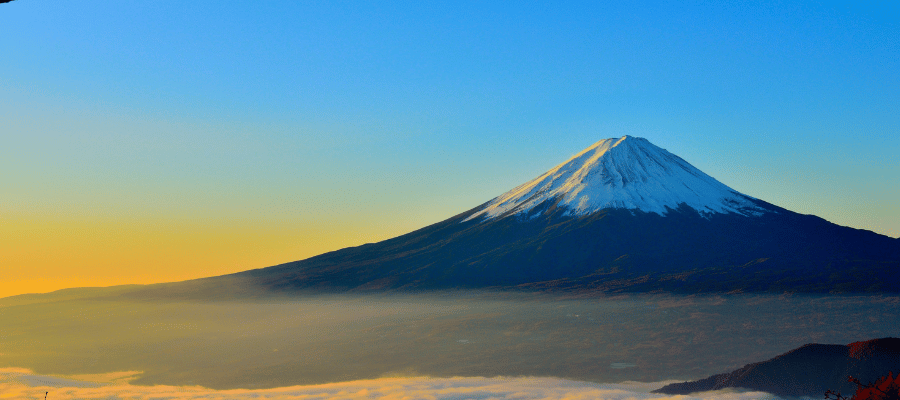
(806, 371)
(627, 173)
(621, 216)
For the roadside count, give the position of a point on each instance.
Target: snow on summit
(626, 173)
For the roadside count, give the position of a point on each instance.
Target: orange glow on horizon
(46, 254)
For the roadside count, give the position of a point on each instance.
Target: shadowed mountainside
(612, 251)
(608, 251)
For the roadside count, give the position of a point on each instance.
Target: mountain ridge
(808, 370)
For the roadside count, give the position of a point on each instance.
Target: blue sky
(302, 127)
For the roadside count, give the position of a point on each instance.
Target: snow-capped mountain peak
(625, 173)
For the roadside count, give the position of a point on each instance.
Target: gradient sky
(161, 140)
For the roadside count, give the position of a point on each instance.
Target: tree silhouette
(885, 388)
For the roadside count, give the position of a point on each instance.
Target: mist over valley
(315, 339)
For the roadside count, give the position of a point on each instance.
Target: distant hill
(807, 371)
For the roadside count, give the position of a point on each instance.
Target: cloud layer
(17, 383)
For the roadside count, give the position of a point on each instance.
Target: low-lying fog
(320, 339)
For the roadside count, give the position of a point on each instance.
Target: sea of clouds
(19, 383)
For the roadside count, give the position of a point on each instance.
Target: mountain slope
(806, 371)
(624, 215)
(611, 250)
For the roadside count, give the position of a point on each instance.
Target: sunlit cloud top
(24, 384)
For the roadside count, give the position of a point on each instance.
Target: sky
(160, 141)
